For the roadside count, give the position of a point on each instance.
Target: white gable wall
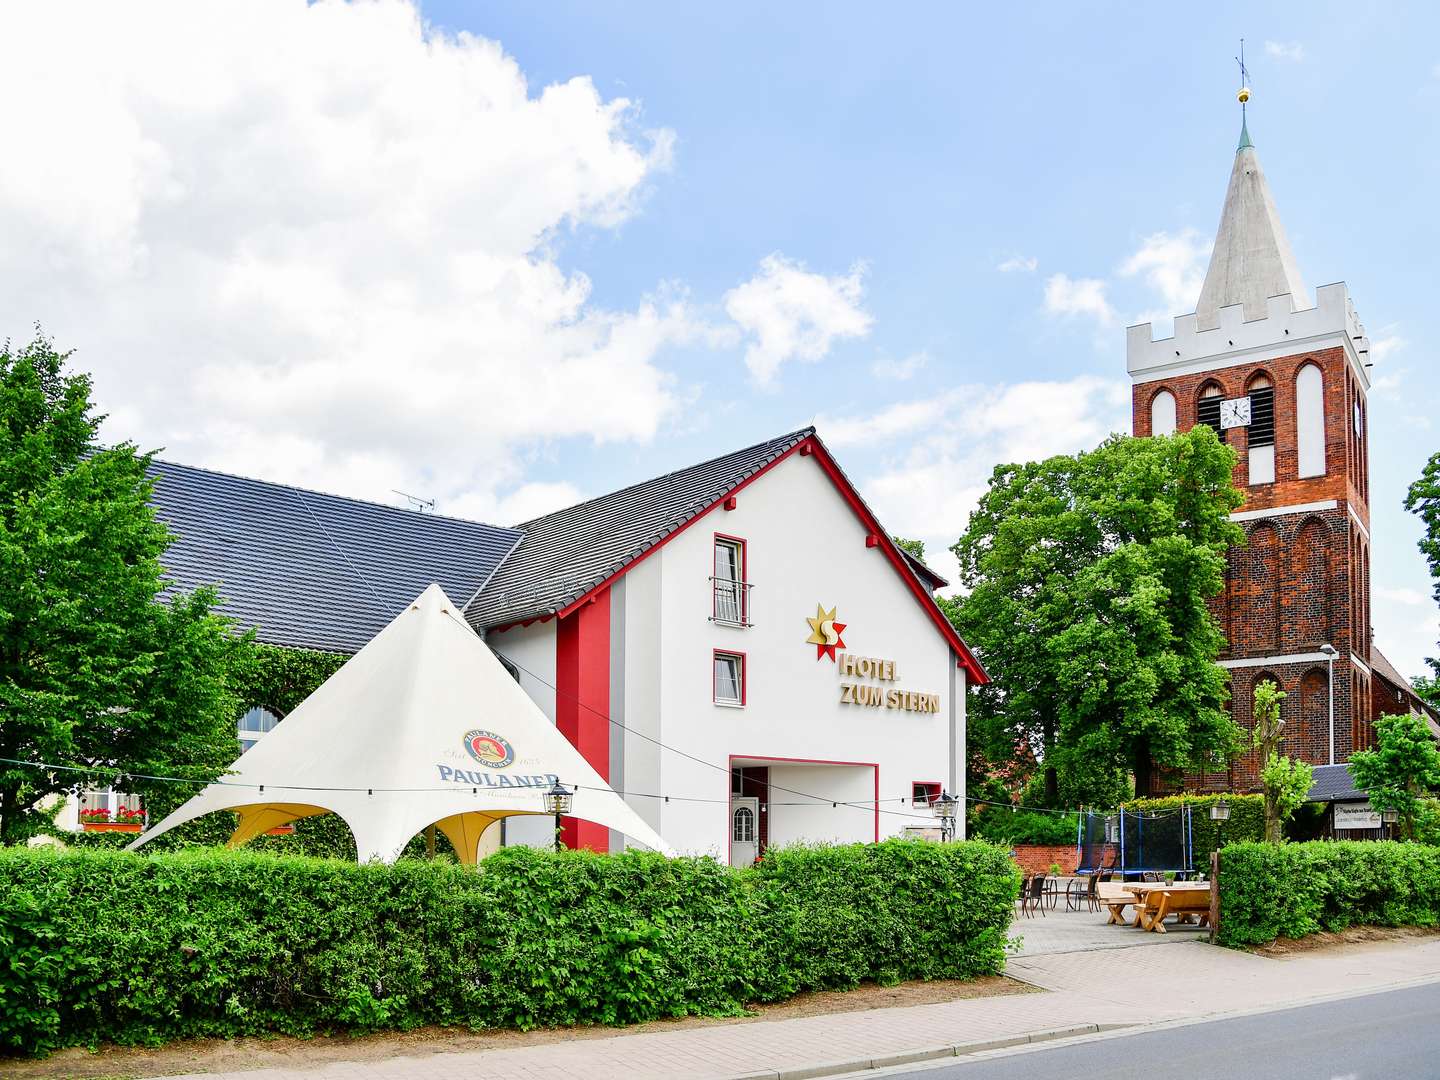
(805, 546)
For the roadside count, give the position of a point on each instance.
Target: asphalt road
(1389, 1036)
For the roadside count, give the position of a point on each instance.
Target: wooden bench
(1152, 905)
(1114, 896)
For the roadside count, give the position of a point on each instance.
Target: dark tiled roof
(566, 554)
(930, 577)
(1333, 783)
(309, 570)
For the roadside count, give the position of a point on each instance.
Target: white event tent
(423, 726)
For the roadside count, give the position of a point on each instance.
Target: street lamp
(557, 802)
(1390, 817)
(1220, 810)
(1330, 653)
(944, 808)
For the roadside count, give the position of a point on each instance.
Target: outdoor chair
(1150, 876)
(1082, 892)
(1032, 896)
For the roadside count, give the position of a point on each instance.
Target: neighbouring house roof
(309, 570)
(1333, 783)
(567, 554)
(1380, 664)
(930, 577)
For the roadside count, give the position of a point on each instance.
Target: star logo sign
(825, 632)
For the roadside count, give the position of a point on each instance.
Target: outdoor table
(1182, 910)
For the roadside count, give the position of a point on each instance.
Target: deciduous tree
(1088, 577)
(95, 669)
(1286, 782)
(1402, 768)
(1423, 499)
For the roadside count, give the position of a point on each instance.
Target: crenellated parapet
(1332, 317)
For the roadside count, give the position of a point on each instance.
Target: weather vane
(1244, 94)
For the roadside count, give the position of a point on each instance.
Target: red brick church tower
(1284, 383)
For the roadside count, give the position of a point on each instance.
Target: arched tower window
(1207, 408)
(1310, 421)
(1261, 451)
(1162, 413)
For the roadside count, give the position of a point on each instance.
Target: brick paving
(1086, 989)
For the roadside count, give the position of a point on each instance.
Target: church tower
(1284, 383)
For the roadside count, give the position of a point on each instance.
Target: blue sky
(924, 228)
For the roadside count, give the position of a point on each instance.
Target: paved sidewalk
(1087, 990)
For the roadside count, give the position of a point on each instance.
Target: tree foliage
(94, 669)
(1401, 769)
(1423, 499)
(1285, 782)
(1088, 577)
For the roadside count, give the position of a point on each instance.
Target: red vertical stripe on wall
(582, 703)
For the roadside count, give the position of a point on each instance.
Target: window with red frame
(729, 680)
(924, 792)
(730, 604)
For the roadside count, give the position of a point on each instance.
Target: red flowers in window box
(94, 817)
(130, 816)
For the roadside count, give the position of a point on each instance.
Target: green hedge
(1000, 825)
(101, 945)
(1247, 820)
(1291, 890)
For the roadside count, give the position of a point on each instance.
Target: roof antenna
(418, 504)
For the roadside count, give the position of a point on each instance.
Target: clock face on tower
(1235, 412)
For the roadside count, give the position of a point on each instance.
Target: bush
(1291, 890)
(101, 945)
(1247, 820)
(1002, 826)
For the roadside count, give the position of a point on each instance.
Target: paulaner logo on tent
(491, 750)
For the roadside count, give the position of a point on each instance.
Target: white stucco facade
(819, 768)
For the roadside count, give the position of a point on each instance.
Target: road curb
(931, 1053)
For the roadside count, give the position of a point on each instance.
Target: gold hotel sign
(879, 697)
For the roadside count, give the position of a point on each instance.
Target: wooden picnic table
(1117, 896)
(1183, 899)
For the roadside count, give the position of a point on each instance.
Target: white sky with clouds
(512, 258)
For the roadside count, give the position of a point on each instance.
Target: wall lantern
(944, 808)
(557, 801)
(1220, 810)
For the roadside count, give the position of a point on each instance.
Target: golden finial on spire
(1244, 93)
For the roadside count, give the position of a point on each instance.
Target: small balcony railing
(729, 602)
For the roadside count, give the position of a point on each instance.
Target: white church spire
(1252, 260)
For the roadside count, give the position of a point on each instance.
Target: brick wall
(1345, 471)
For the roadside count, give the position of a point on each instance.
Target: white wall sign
(1356, 815)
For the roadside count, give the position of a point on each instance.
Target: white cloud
(1381, 347)
(947, 445)
(524, 503)
(1069, 296)
(1024, 263)
(791, 313)
(1173, 265)
(1293, 51)
(889, 368)
(317, 241)
(1408, 597)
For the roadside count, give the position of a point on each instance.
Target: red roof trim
(807, 447)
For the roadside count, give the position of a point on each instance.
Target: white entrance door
(744, 830)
